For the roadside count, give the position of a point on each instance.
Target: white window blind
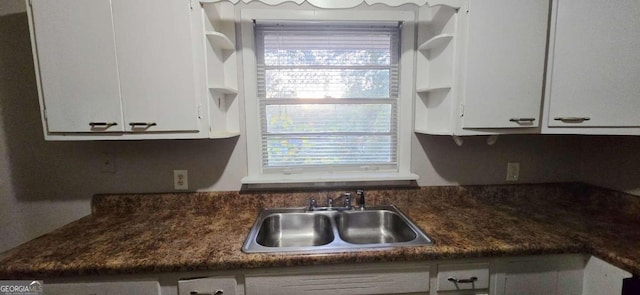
(328, 96)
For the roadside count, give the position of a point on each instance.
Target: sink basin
(373, 227)
(296, 230)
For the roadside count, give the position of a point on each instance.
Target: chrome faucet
(348, 200)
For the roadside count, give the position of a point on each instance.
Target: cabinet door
(104, 288)
(601, 277)
(561, 275)
(594, 64)
(214, 285)
(505, 63)
(77, 64)
(410, 281)
(155, 59)
(531, 278)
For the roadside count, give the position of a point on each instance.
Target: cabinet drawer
(460, 276)
(105, 288)
(214, 285)
(411, 281)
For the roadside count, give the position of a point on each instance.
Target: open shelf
(224, 134)
(436, 76)
(433, 89)
(219, 40)
(224, 89)
(431, 132)
(437, 41)
(220, 55)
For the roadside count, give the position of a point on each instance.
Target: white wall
(44, 185)
(12, 68)
(11, 7)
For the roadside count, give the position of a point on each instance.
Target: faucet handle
(329, 202)
(361, 200)
(312, 204)
(347, 201)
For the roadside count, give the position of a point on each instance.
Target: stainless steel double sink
(300, 231)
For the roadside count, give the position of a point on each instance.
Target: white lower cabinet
(562, 275)
(601, 277)
(103, 288)
(394, 279)
(212, 285)
(566, 274)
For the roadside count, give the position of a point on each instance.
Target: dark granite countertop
(151, 233)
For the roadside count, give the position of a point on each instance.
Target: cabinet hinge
(461, 110)
(190, 4)
(45, 114)
(200, 112)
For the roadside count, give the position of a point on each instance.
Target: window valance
(340, 4)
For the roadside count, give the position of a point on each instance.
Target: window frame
(255, 171)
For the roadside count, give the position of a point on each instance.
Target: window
(328, 96)
(323, 98)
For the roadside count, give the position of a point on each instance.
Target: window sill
(329, 178)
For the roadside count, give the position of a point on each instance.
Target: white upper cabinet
(79, 80)
(593, 74)
(505, 63)
(480, 67)
(156, 67)
(128, 69)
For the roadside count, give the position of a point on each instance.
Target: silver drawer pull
(470, 280)
(572, 119)
(142, 124)
(102, 124)
(521, 120)
(217, 292)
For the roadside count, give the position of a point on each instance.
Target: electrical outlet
(180, 180)
(107, 163)
(513, 171)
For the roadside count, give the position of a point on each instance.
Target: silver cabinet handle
(102, 124)
(217, 292)
(572, 119)
(522, 120)
(462, 281)
(141, 124)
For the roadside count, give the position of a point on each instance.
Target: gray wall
(44, 185)
(612, 161)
